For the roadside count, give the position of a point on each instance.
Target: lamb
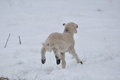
(60, 43)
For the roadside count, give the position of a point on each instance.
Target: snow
(97, 40)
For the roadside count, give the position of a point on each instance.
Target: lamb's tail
(47, 46)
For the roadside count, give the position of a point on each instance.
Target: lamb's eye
(66, 30)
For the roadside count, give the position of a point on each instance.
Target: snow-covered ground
(97, 40)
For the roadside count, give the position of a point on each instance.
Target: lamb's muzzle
(61, 43)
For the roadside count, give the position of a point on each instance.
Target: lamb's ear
(66, 29)
(63, 24)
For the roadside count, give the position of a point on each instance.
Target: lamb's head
(70, 27)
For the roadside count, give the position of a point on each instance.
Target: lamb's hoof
(81, 62)
(58, 61)
(43, 61)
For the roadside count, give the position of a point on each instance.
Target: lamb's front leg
(72, 51)
(56, 56)
(43, 58)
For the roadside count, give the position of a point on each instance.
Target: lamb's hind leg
(56, 56)
(63, 59)
(43, 58)
(76, 56)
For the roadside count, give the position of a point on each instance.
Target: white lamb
(61, 43)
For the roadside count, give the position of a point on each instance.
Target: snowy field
(97, 40)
